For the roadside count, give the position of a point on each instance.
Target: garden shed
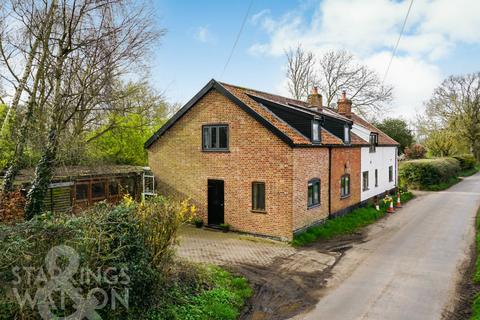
(77, 187)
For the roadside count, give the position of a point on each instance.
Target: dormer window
(346, 134)
(315, 131)
(373, 141)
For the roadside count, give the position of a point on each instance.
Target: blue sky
(442, 37)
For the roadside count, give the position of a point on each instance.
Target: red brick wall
(309, 163)
(345, 160)
(255, 155)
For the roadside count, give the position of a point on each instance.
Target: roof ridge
(259, 91)
(295, 103)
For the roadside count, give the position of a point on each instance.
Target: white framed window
(365, 180)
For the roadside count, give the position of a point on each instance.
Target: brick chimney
(315, 99)
(345, 105)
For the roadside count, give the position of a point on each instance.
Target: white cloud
(258, 16)
(203, 35)
(369, 29)
(412, 78)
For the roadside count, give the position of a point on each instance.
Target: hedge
(427, 172)
(467, 161)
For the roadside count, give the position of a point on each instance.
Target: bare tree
(43, 40)
(92, 44)
(337, 71)
(455, 105)
(12, 46)
(300, 72)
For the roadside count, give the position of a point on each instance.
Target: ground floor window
(345, 185)
(390, 173)
(376, 177)
(365, 180)
(258, 196)
(313, 192)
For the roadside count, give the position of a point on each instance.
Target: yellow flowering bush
(160, 219)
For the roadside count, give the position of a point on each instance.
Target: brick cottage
(270, 165)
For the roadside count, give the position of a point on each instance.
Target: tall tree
(442, 143)
(300, 72)
(455, 105)
(42, 39)
(335, 72)
(398, 130)
(92, 45)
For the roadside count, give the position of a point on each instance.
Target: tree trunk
(43, 176)
(14, 166)
(21, 86)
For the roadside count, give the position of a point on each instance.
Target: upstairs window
(215, 137)
(346, 134)
(373, 142)
(315, 131)
(258, 196)
(365, 180)
(313, 193)
(345, 186)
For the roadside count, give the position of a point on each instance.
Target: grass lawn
(346, 224)
(221, 298)
(453, 180)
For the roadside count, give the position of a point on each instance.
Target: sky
(441, 38)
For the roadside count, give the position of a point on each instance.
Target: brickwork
(309, 163)
(345, 161)
(255, 154)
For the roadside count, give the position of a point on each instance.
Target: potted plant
(198, 222)
(225, 227)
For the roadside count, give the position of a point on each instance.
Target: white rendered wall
(381, 159)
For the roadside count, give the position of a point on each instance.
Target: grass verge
(454, 180)
(346, 224)
(221, 296)
(476, 275)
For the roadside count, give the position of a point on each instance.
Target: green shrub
(107, 240)
(467, 161)
(427, 172)
(137, 239)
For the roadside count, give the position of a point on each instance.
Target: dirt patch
(466, 290)
(286, 287)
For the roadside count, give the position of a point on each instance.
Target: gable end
(212, 84)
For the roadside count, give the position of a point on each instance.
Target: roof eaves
(179, 114)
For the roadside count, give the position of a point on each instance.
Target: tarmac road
(411, 264)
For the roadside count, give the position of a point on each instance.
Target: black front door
(215, 202)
